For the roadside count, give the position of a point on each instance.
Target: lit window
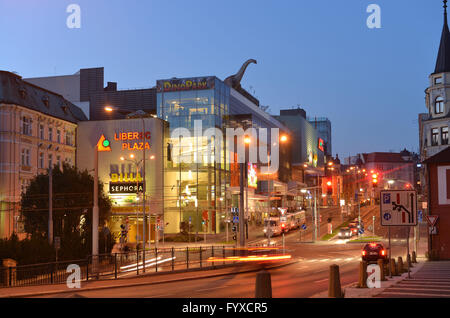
(439, 105)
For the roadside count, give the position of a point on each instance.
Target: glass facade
(195, 188)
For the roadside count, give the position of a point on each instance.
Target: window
(438, 80)
(50, 161)
(444, 135)
(58, 136)
(58, 161)
(434, 136)
(26, 126)
(439, 105)
(41, 160)
(25, 157)
(69, 138)
(50, 133)
(41, 131)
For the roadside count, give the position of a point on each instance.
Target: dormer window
(22, 92)
(437, 80)
(46, 100)
(439, 105)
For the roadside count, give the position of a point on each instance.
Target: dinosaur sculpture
(235, 80)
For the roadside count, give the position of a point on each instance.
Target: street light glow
(109, 109)
(283, 138)
(247, 140)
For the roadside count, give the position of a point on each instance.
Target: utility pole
(241, 206)
(95, 215)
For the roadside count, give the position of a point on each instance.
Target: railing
(114, 266)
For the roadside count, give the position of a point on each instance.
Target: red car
(372, 252)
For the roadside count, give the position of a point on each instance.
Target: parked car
(372, 252)
(345, 233)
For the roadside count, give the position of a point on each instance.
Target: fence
(114, 266)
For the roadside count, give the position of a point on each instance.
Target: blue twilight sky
(320, 54)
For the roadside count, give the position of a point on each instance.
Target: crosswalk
(330, 260)
(431, 281)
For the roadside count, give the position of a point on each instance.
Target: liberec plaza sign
(133, 140)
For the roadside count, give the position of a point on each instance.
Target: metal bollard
(334, 283)
(401, 268)
(393, 267)
(263, 286)
(408, 261)
(362, 274)
(382, 269)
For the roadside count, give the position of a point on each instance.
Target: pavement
(59, 290)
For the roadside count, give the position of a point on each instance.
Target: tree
(72, 209)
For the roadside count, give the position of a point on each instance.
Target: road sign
(361, 231)
(398, 208)
(433, 230)
(420, 216)
(431, 219)
(235, 219)
(190, 219)
(303, 226)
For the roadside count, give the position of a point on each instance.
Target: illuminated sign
(185, 84)
(103, 144)
(320, 146)
(125, 187)
(129, 140)
(252, 176)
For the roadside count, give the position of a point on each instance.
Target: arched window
(439, 105)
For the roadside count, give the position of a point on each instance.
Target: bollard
(400, 267)
(382, 270)
(414, 260)
(334, 283)
(362, 275)
(393, 267)
(263, 287)
(408, 261)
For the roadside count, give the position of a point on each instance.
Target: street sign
(431, 219)
(433, 230)
(398, 207)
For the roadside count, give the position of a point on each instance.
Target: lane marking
(414, 294)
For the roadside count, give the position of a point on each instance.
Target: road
(304, 278)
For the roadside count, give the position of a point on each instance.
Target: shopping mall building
(191, 142)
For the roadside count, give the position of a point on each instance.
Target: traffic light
(235, 214)
(329, 187)
(375, 180)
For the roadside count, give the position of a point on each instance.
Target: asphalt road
(308, 276)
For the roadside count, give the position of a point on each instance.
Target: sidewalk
(61, 290)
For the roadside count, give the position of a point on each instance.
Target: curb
(146, 283)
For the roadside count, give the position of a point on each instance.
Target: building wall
(114, 172)
(26, 152)
(440, 205)
(67, 85)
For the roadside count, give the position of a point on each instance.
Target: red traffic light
(329, 183)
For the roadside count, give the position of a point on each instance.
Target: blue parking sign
(386, 198)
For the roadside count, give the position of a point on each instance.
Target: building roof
(443, 58)
(14, 90)
(384, 157)
(441, 157)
